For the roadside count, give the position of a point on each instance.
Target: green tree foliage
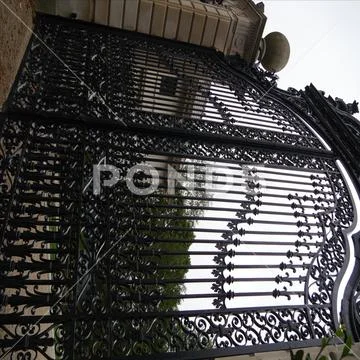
(165, 244)
(339, 336)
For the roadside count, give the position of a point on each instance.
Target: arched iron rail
(214, 268)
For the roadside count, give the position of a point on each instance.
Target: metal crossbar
(183, 271)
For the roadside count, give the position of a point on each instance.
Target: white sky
(324, 41)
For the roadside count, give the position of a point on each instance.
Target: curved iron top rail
(188, 273)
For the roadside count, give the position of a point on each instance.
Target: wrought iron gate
(247, 256)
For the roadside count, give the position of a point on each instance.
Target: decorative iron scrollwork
(111, 273)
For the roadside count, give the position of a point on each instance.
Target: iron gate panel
(116, 74)
(111, 274)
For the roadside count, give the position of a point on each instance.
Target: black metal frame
(88, 276)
